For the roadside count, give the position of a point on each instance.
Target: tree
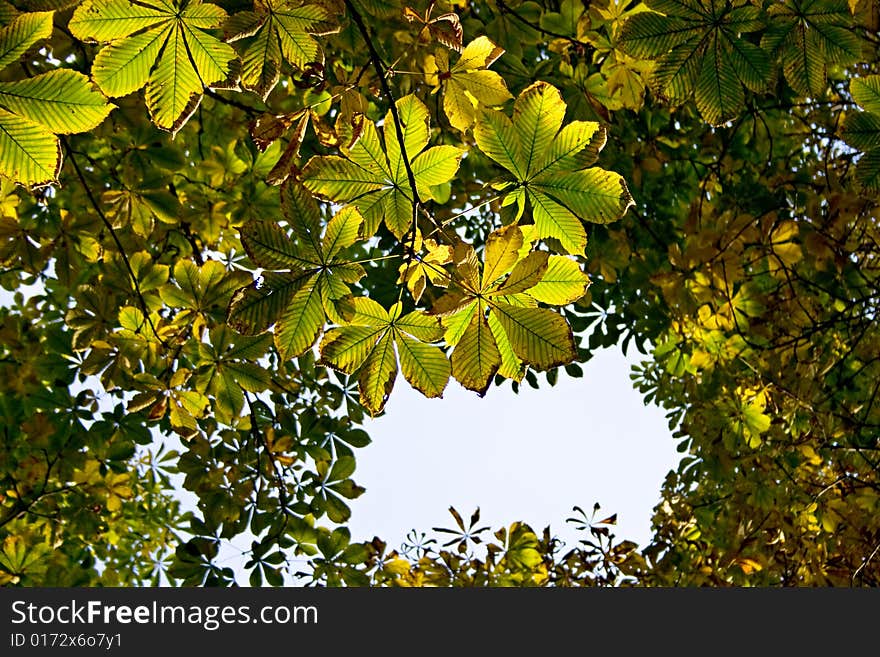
(232, 265)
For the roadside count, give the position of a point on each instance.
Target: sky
(530, 456)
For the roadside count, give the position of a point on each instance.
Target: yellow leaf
(748, 566)
(397, 566)
(468, 84)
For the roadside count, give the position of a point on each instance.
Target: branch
(398, 126)
(864, 563)
(21, 506)
(247, 109)
(504, 8)
(260, 437)
(109, 226)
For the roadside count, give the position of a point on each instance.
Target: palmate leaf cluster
(230, 229)
(861, 130)
(33, 110)
(704, 50)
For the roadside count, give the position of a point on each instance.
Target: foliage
(211, 282)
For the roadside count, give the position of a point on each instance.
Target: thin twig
(109, 226)
(210, 93)
(865, 563)
(506, 9)
(398, 125)
(260, 437)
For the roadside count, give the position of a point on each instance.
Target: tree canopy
(227, 227)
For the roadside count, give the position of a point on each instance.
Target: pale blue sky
(530, 456)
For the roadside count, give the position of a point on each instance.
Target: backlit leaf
(561, 193)
(64, 101)
(468, 84)
(161, 45)
(808, 36)
(476, 358)
(701, 50)
(29, 153)
(301, 300)
(366, 346)
(24, 30)
(374, 179)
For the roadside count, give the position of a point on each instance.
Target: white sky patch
(531, 456)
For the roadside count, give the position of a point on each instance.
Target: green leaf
(566, 20)
(342, 469)
(302, 320)
(538, 113)
(299, 301)
(269, 246)
(553, 219)
(281, 30)
(868, 170)
(511, 365)
(343, 230)
(809, 35)
(522, 548)
(24, 30)
(502, 252)
(434, 167)
(718, 94)
(337, 510)
(340, 179)
(468, 84)
(516, 331)
(122, 69)
(249, 376)
(60, 101)
(415, 123)
(476, 358)
(366, 345)
(598, 195)
(425, 367)
(563, 282)
(201, 288)
(255, 308)
(29, 153)
(861, 130)
(701, 50)
(547, 162)
(64, 101)
(230, 345)
(540, 337)
(161, 45)
(866, 92)
(229, 395)
(421, 326)
(100, 21)
(347, 348)
(497, 138)
(457, 321)
(374, 180)
(527, 273)
(377, 375)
